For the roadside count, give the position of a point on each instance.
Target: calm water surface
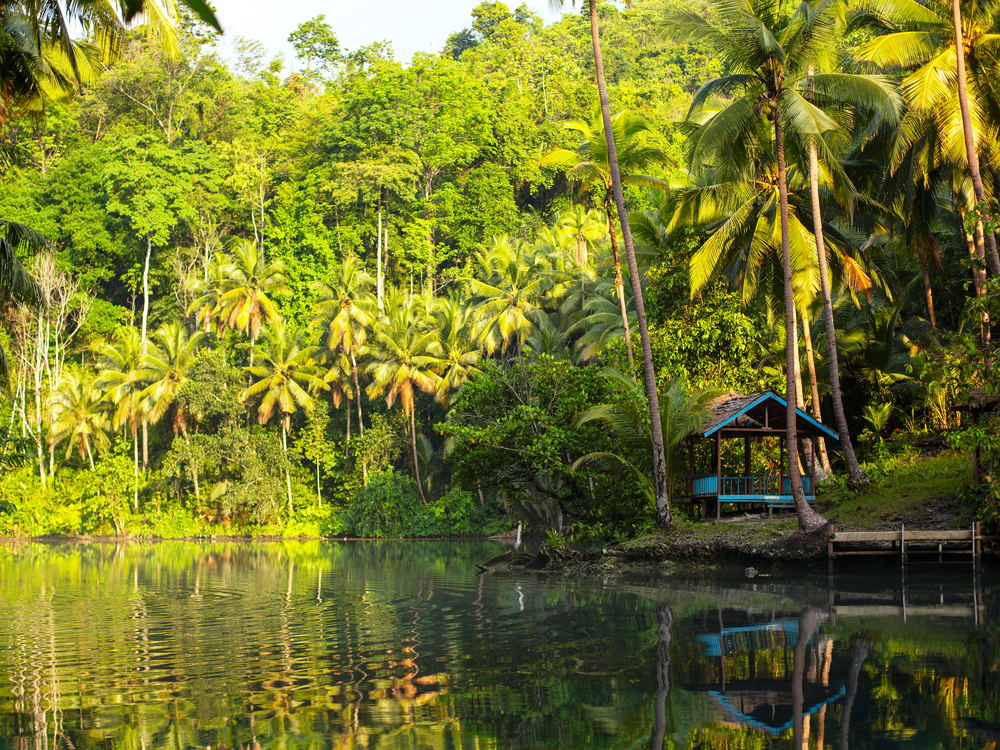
(402, 645)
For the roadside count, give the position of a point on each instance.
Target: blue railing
(748, 488)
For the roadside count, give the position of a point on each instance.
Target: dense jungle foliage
(384, 297)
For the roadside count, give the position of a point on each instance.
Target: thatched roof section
(978, 402)
(758, 411)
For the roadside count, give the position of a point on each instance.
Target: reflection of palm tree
(861, 651)
(287, 374)
(664, 622)
(79, 415)
(343, 314)
(809, 620)
(404, 360)
(590, 163)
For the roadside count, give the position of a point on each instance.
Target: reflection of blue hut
(762, 704)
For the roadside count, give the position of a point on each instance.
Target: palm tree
(79, 415)
(16, 284)
(768, 48)
(404, 360)
(511, 294)
(208, 307)
(663, 517)
(248, 291)
(681, 414)
(343, 313)
(338, 376)
(918, 37)
(120, 376)
(455, 321)
(600, 321)
(165, 371)
(590, 163)
(284, 379)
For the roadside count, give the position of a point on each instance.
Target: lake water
(402, 645)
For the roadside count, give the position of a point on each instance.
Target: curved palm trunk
(416, 465)
(619, 284)
(90, 456)
(970, 141)
(861, 651)
(856, 476)
(665, 620)
(824, 459)
(135, 460)
(809, 520)
(663, 516)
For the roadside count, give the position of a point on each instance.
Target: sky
(410, 25)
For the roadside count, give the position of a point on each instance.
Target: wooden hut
(757, 416)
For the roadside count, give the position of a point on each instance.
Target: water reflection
(393, 645)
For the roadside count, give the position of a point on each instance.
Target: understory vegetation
(381, 298)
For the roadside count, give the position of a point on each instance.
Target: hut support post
(746, 456)
(718, 475)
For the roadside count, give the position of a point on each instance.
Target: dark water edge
(401, 645)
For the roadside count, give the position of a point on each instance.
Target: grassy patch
(923, 492)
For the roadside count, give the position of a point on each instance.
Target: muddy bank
(757, 544)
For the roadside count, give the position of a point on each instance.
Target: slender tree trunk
(145, 287)
(39, 354)
(194, 467)
(663, 517)
(347, 447)
(288, 473)
(145, 445)
(357, 391)
(928, 293)
(814, 385)
(90, 456)
(856, 476)
(978, 281)
(619, 285)
(135, 466)
(809, 620)
(800, 399)
(378, 278)
(809, 520)
(970, 138)
(416, 465)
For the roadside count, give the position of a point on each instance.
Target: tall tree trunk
(928, 293)
(347, 447)
(814, 386)
(809, 520)
(416, 465)
(145, 445)
(970, 138)
(663, 516)
(288, 473)
(90, 456)
(135, 465)
(856, 476)
(194, 467)
(145, 286)
(357, 391)
(378, 283)
(619, 284)
(800, 399)
(978, 279)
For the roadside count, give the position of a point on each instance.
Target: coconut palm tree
(590, 163)
(455, 323)
(249, 289)
(164, 369)
(663, 516)
(16, 284)
(768, 48)
(79, 415)
(917, 38)
(343, 313)
(207, 306)
(339, 375)
(120, 369)
(405, 358)
(510, 296)
(284, 378)
(681, 414)
(600, 321)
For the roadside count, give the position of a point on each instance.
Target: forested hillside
(384, 297)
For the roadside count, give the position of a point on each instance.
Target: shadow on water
(401, 645)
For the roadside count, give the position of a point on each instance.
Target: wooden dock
(966, 542)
